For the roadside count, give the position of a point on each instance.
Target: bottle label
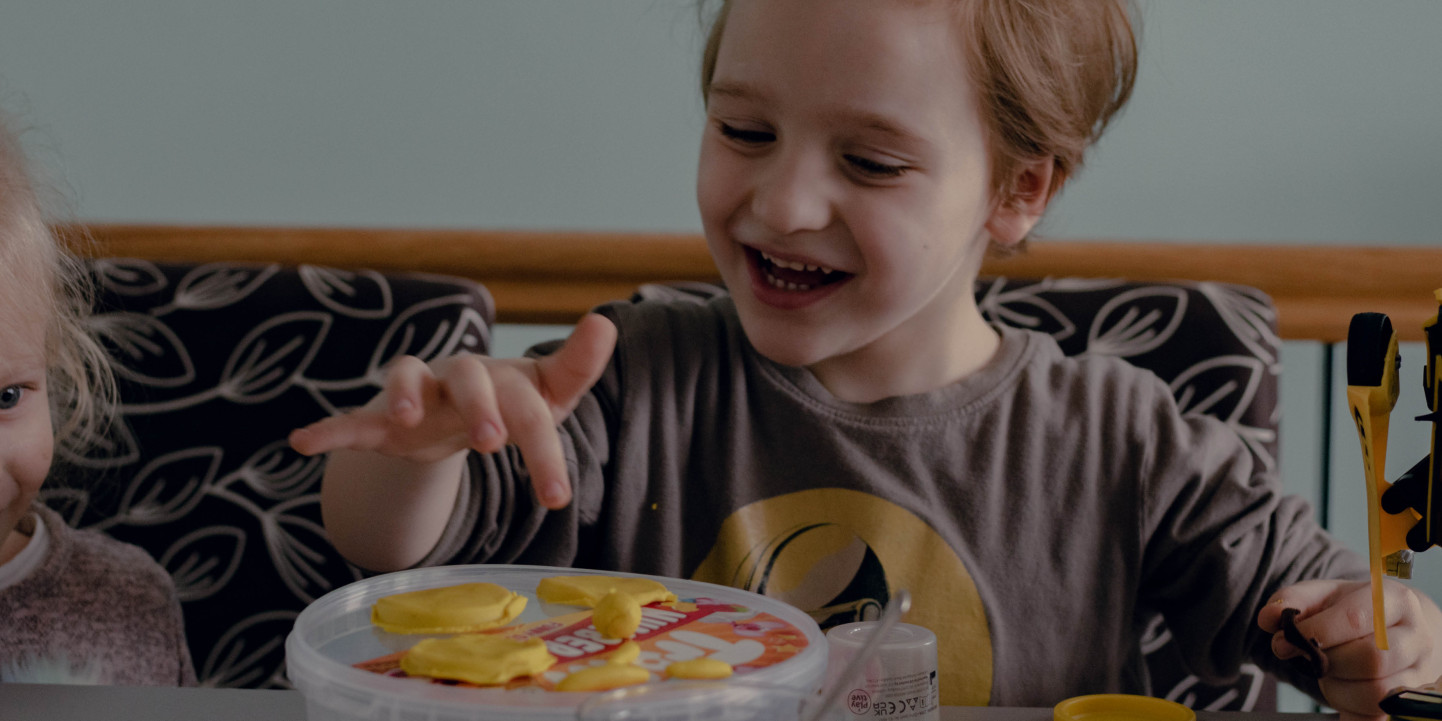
(893, 698)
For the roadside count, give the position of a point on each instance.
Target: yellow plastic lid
(1120, 707)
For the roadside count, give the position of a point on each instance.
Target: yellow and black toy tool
(1372, 389)
(1432, 385)
(1420, 488)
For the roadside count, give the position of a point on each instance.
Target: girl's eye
(873, 169)
(746, 137)
(10, 397)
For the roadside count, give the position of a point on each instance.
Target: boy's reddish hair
(1049, 76)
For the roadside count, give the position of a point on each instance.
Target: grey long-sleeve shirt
(1040, 510)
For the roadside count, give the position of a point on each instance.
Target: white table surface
(23, 702)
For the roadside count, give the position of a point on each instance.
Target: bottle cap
(1120, 707)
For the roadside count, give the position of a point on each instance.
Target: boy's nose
(792, 196)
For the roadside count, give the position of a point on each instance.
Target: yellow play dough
(477, 658)
(617, 615)
(702, 668)
(604, 678)
(589, 590)
(625, 654)
(449, 609)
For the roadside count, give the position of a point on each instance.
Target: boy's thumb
(571, 371)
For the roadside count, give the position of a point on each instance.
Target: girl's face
(26, 439)
(844, 191)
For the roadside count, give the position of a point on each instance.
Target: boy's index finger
(567, 374)
(333, 432)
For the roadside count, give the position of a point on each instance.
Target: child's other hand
(427, 413)
(1338, 614)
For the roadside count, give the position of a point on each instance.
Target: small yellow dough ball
(699, 668)
(625, 654)
(617, 616)
(604, 678)
(477, 658)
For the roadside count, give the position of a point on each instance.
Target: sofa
(218, 361)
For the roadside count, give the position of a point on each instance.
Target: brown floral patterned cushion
(218, 362)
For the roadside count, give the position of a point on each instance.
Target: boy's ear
(1021, 202)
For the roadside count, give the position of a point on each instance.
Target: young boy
(846, 422)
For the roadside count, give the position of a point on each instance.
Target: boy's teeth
(778, 283)
(793, 265)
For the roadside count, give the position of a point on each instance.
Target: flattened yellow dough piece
(449, 609)
(477, 658)
(625, 654)
(604, 678)
(617, 615)
(702, 668)
(589, 590)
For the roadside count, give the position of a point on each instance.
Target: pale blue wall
(1253, 121)
(1260, 120)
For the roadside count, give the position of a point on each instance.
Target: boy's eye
(748, 137)
(10, 397)
(871, 168)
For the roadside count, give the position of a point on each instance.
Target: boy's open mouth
(795, 276)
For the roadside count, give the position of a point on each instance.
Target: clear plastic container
(704, 701)
(335, 632)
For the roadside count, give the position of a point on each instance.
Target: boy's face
(843, 187)
(26, 439)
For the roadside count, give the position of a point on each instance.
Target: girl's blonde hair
(38, 274)
(1049, 76)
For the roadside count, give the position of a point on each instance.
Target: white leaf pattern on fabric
(297, 547)
(129, 276)
(144, 349)
(1023, 308)
(270, 358)
(1156, 636)
(169, 487)
(1137, 321)
(277, 472)
(202, 562)
(216, 285)
(241, 656)
(1250, 315)
(358, 294)
(451, 335)
(1186, 691)
(1230, 398)
(1233, 389)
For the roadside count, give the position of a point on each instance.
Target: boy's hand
(1338, 614)
(427, 413)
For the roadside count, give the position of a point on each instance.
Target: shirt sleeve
(1221, 538)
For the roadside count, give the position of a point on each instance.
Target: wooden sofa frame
(554, 277)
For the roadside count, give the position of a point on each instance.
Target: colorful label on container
(746, 639)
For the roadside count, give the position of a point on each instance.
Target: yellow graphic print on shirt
(837, 554)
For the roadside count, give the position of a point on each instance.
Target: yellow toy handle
(1372, 389)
